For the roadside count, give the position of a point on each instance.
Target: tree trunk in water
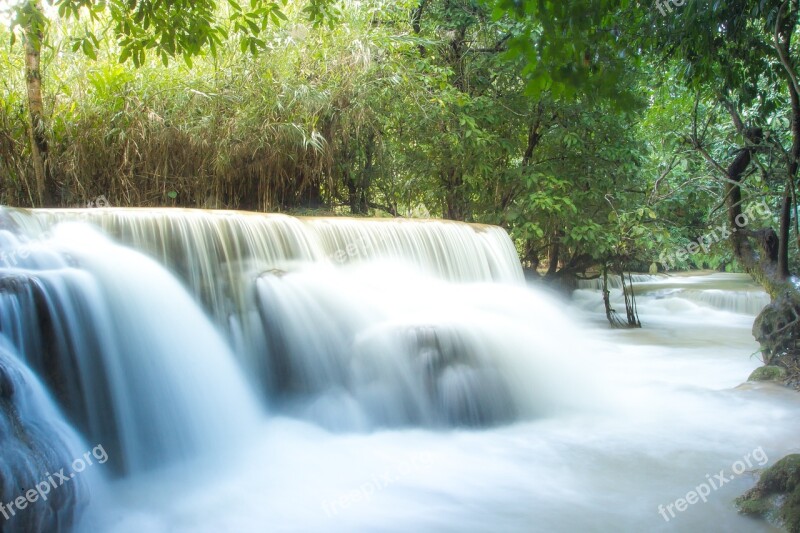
(607, 297)
(631, 313)
(555, 252)
(34, 36)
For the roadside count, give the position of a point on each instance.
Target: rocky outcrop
(769, 373)
(776, 496)
(777, 329)
(35, 445)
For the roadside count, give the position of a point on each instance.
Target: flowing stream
(258, 373)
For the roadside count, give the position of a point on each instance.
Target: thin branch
(779, 47)
(712, 162)
(670, 167)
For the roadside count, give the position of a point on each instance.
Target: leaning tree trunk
(760, 253)
(33, 32)
(761, 261)
(455, 203)
(777, 327)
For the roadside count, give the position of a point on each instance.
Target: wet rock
(461, 379)
(35, 444)
(768, 373)
(777, 329)
(776, 496)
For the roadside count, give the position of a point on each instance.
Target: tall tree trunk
(33, 31)
(784, 29)
(455, 203)
(761, 263)
(366, 174)
(352, 192)
(788, 203)
(555, 253)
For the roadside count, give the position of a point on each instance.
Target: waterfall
(123, 347)
(206, 248)
(36, 442)
(218, 254)
(351, 361)
(130, 355)
(743, 302)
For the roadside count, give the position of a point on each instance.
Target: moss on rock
(776, 496)
(768, 373)
(777, 330)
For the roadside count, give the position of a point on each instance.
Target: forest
(604, 136)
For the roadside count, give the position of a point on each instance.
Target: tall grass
(235, 131)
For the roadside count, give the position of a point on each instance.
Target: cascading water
(83, 312)
(36, 442)
(356, 353)
(735, 293)
(305, 342)
(411, 381)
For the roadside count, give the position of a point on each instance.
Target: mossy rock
(776, 496)
(777, 330)
(768, 373)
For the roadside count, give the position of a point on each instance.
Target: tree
(32, 22)
(736, 56)
(738, 61)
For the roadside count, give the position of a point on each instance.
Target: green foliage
(722, 60)
(572, 48)
(179, 28)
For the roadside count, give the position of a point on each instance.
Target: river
(278, 374)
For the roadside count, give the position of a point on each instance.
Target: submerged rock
(460, 377)
(36, 445)
(776, 496)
